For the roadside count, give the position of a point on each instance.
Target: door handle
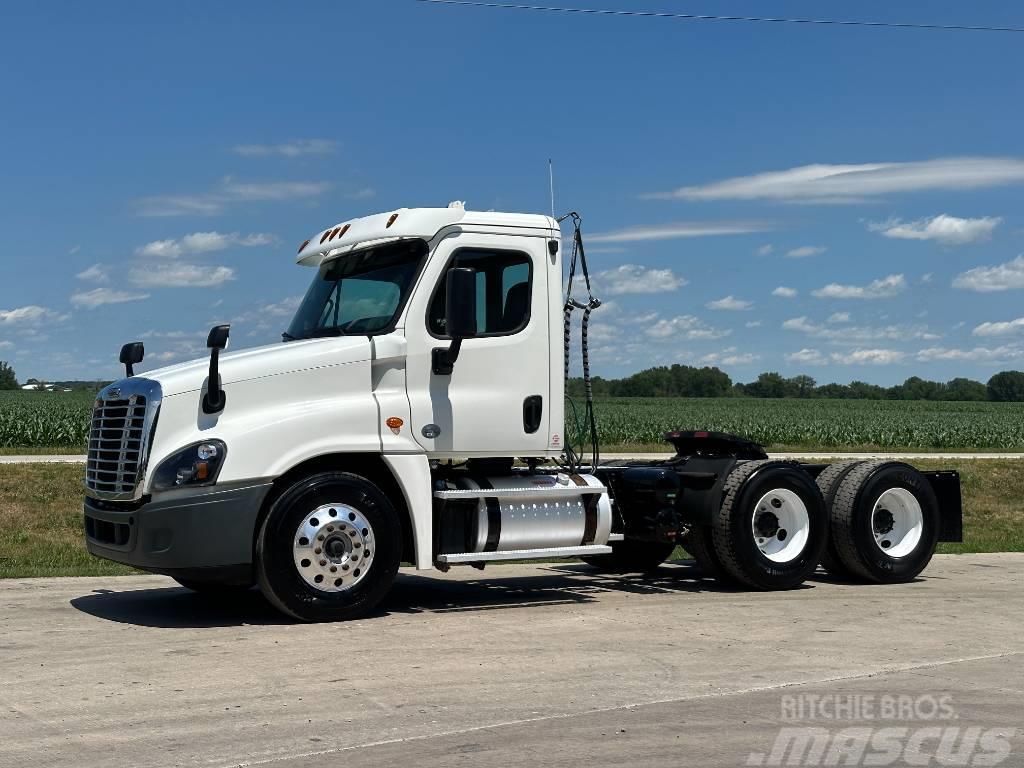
(533, 409)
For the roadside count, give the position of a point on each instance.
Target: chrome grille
(119, 439)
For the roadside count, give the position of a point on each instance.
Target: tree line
(688, 381)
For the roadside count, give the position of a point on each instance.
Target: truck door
(496, 400)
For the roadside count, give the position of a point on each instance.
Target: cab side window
(504, 282)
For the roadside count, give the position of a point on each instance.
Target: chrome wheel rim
(333, 548)
(780, 525)
(897, 522)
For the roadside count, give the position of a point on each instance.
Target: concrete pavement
(521, 665)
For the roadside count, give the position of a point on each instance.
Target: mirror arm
(443, 359)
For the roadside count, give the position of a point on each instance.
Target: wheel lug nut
(317, 551)
(330, 528)
(334, 569)
(320, 537)
(357, 545)
(323, 562)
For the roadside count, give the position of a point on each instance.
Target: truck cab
(414, 412)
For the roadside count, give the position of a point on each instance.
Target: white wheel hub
(897, 522)
(333, 548)
(781, 525)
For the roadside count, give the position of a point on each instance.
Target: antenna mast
(551, 183)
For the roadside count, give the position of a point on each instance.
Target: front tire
(772, 526)
(329, 548)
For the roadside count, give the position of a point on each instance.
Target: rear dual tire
(885, 523)
(769, 531)
(630, 556)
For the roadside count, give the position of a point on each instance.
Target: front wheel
(329, 548)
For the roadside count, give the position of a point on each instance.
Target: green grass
(41, 516)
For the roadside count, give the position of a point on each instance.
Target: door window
(504, 282)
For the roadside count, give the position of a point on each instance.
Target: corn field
(61, 419)
(41, 419)
(874, 424)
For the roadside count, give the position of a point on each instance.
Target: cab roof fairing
(409, 223)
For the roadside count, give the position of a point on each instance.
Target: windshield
(361, 293)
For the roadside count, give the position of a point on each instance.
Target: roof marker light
(391, 220)
(344, 230)
(324, 236)
(334, 233)
(304, 244)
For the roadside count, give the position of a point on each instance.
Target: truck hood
(258, 362)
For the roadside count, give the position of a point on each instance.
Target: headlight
(198, 464)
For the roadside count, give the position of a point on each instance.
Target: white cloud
(202, 242)
(753, 324)
(1002, 277)
(868, 357)
(677, 230)
(363, 193)
(926, 278)
(632, 278)
(229, 192)
(977, 354)
(686, 327)
(807, 356)
(944, 229)
(764, 250)
(1007, 328)
(823, 183)
(100, 296)
(851, 334)
(729, 356)
(295, 148)
(839, 317)
(805, 250)
(730, 303)
(884, 288)
(28, 315)
(174, 275)
(785, 293)
(97, 273)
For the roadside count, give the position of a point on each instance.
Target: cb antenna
(551, 184)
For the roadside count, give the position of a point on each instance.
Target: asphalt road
(545, 665)
(823, 455)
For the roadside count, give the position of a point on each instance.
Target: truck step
(532, 490)
(524, 554)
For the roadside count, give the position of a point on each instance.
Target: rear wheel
(885, 522)
(699, 543)
(632, 556)
(829, 482)
(329, 548)
(772, 526)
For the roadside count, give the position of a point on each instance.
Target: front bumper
(202, 534)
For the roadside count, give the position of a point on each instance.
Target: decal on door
(430, 431)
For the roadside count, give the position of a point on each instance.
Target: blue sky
(833, 201)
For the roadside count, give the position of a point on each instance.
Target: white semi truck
(414, 412)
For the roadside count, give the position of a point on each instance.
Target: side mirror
(460, 303)
(459, 317)
(215, 397)
(131, 354)
(218, 338)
